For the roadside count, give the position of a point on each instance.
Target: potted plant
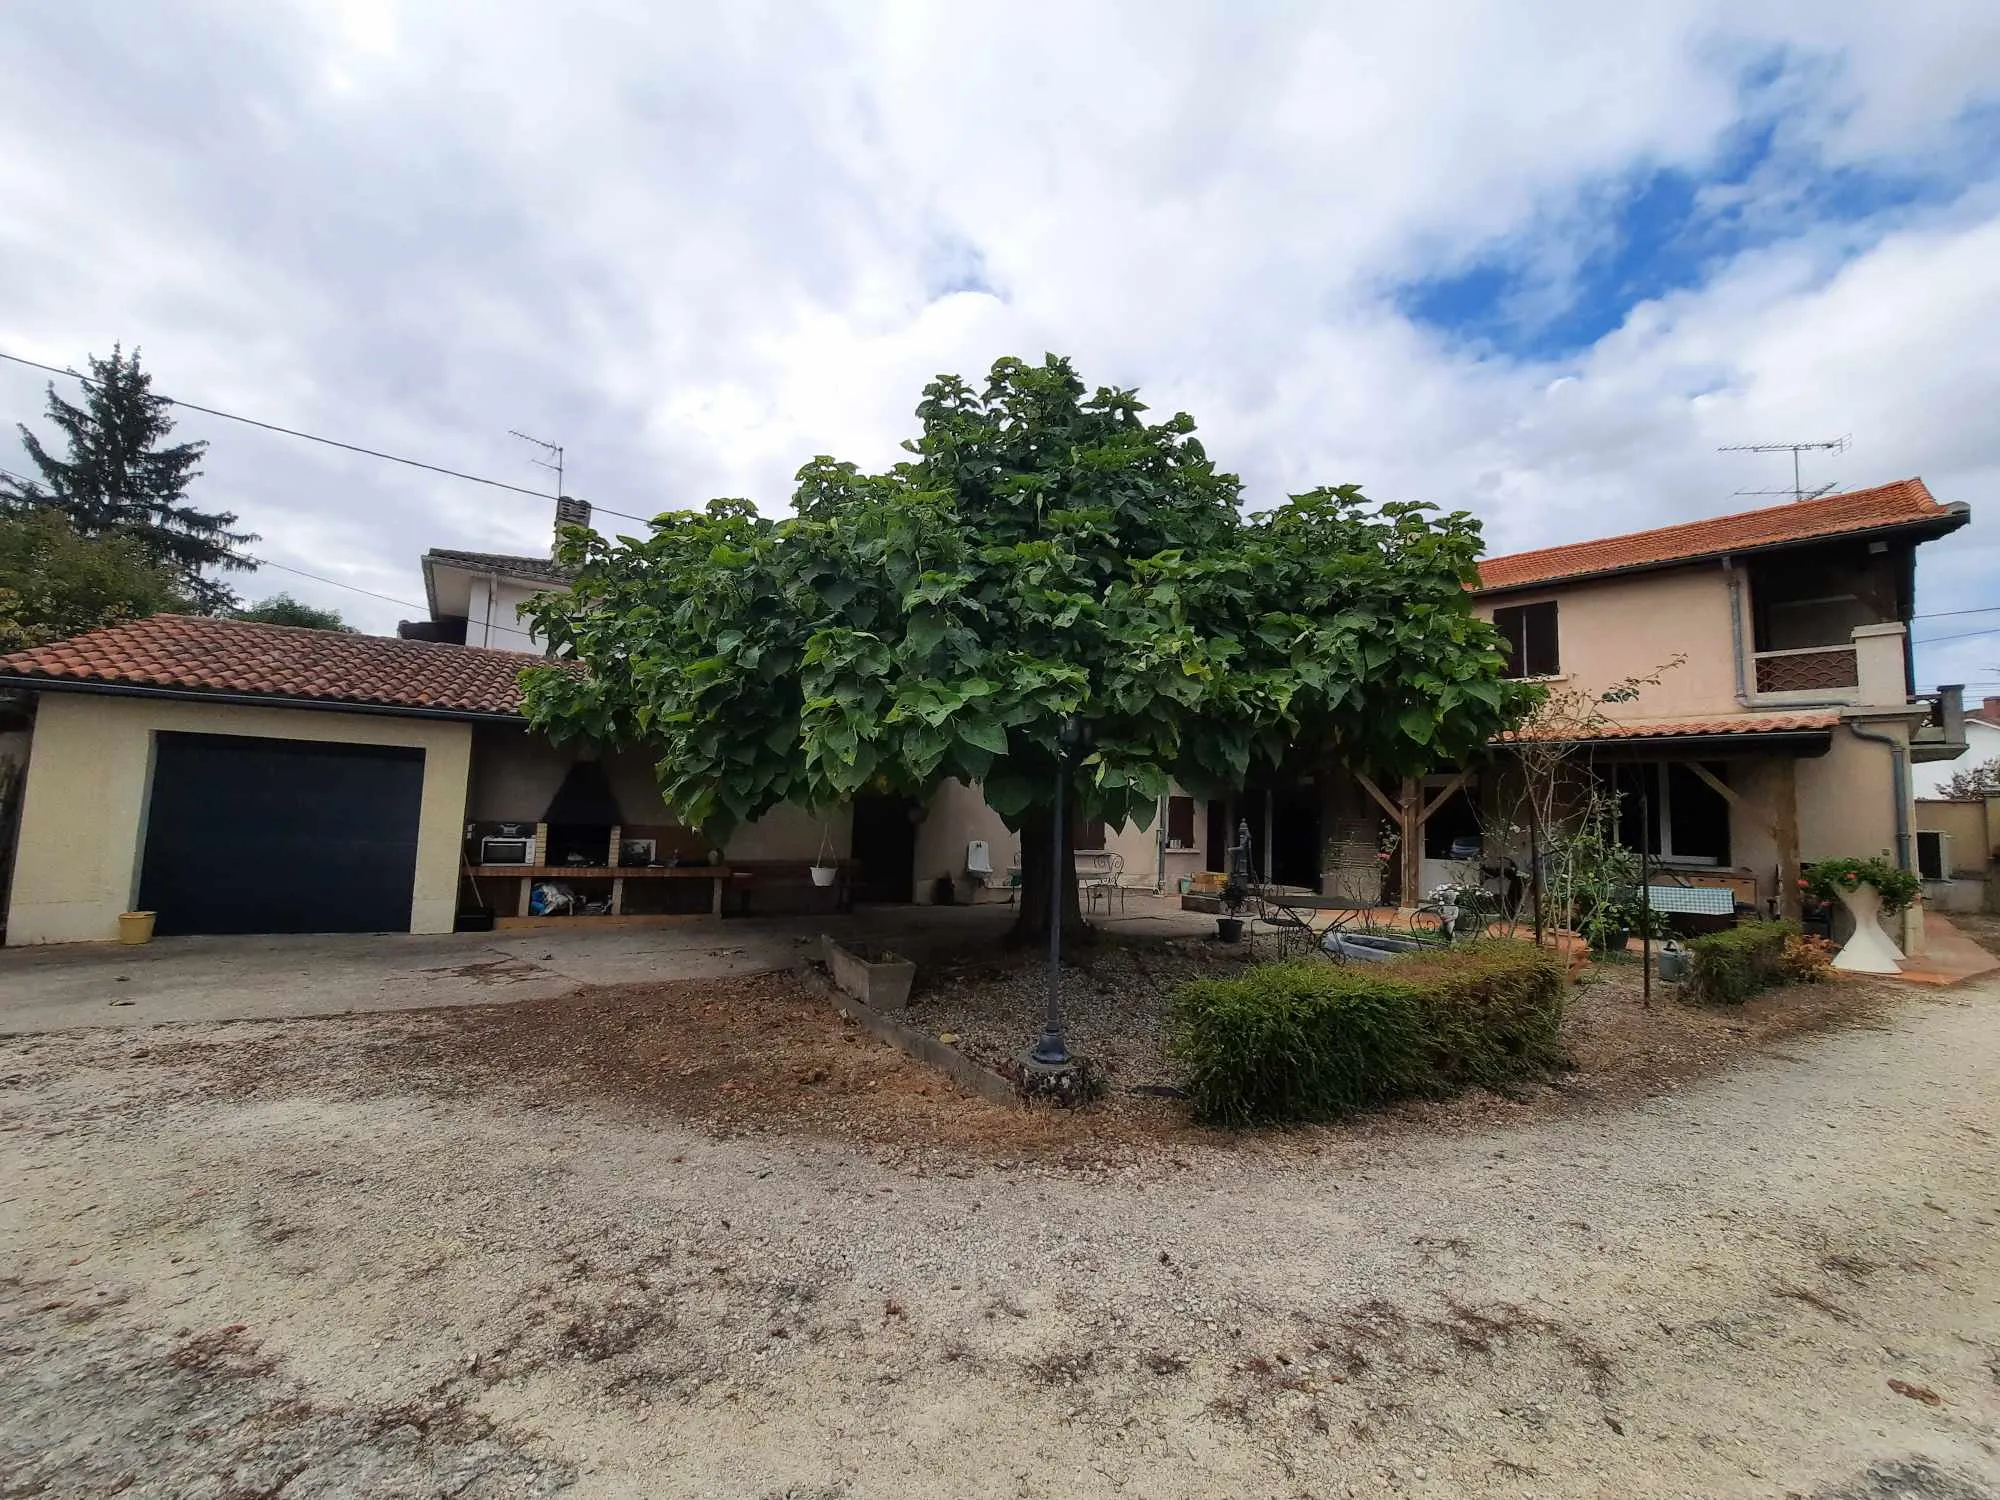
(1869, 889)
(1235, 891)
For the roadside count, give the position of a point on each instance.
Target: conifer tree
(121, 478)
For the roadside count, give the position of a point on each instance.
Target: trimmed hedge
(1307, 1040)
(1727, 968)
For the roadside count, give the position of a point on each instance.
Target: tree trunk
(1031, 919)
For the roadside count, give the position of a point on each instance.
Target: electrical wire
(1964, 635)
(313, 437)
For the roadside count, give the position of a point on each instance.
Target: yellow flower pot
(135, 927)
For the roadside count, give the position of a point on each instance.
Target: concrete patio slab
(273, 977)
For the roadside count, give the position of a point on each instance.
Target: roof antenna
(1798, 491)
(554, 461)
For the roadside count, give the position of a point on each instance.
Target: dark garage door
(253, 835)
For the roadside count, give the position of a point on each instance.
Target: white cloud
(699, 244)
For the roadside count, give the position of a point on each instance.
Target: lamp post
(1052, 1051)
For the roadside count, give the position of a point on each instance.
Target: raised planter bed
(875, 976)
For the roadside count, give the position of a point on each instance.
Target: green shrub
(1307, 1040)
(1727, 968)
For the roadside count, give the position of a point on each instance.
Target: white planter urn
(1870, 950)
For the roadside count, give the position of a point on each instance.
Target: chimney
(571, 511)
(1989, 710)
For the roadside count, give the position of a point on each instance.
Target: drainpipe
(1899, 773)
(492, 583)
(1160, 847)
(1735, 577)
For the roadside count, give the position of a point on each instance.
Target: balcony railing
(1813, 669)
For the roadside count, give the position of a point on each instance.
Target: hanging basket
(824, 870)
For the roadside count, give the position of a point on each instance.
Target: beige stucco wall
(956, 815)
(1623, 627)
(1966, 822)
(1845, 804)
(90, 774)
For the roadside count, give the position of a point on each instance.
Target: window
(1087, 833)
(1180, 822)
(1667, 809)
(1530, 633)
(1933, 855)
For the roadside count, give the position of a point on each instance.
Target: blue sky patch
(1565, 281)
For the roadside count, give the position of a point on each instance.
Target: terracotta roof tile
(1905, 503)
(1720, 725)
(189, 653)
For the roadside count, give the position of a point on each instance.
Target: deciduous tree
(1045, 553)
(55, 584)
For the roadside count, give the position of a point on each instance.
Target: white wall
(502, 629)
(1982, 743)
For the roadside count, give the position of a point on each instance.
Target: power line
(1941, 614)
(1965, 635)
(313, 437)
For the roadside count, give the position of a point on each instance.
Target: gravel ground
(420, 1255)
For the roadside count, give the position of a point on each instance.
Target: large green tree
(1045, 553)
(119, 476)
(283, 609)
(55, 584)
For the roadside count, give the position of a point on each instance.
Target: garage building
(237, 777)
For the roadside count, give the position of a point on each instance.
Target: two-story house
(247, 778)
(1778, 721)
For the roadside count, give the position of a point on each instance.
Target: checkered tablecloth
(1696, 900)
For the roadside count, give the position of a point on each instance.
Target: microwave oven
(506, 851)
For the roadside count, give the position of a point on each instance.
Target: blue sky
(1539, 261)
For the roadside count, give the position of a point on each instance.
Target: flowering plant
(1829, 878)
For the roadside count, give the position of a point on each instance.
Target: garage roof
(1906, 505)
(193, 656)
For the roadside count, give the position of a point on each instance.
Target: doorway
(885, 848)
(1295, 835)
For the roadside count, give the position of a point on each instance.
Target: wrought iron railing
(1813, 669)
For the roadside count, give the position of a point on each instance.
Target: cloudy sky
(1539, 260)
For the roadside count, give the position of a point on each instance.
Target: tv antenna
(1798, 491)
(553, 463)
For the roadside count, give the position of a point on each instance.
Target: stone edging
(920, 1045)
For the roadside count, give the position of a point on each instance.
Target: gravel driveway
(1781, 1281)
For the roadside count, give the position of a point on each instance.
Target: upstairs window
(1530, 633)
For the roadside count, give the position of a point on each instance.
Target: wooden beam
(1716, 784)
(1735, 800)
(1791, 904)
(1439, 800)
(1381, 797)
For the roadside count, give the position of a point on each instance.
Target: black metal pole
(1053, 1049)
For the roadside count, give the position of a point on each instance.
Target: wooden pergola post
(1791, 901)
(1412, 847)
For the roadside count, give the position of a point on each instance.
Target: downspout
(492, 585)
(1160, 848)
(1899, 773)
(1735, 578)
